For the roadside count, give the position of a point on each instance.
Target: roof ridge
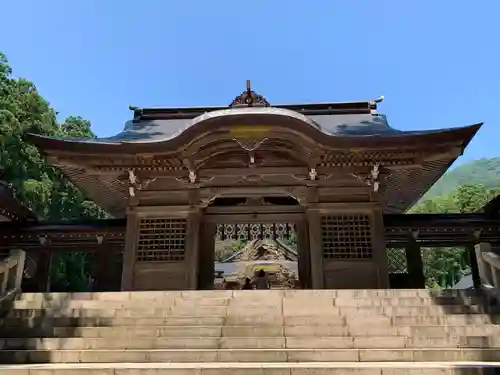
(353, 107)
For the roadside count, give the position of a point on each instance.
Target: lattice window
(346, 236)
(396, 259)
(161, 240)
(254, 231)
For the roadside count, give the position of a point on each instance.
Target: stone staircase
(292, 332)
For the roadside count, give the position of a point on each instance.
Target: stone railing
(489, 268)
(11, 273)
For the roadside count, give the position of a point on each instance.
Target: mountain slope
(478, 172)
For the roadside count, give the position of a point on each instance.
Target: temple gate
(333, 170)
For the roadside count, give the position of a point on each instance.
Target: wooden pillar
(304, 262)
(206, 255)
(191, 249)
(315, 248)
(129, 251)
(43, 270)
(476, 278)
(415, 265)
(42, 278)
(105, 268)
(379, 248)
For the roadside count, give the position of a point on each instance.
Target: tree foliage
(484, 171)
(443, 267)
(36, 184)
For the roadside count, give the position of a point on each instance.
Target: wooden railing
(489, 268)
(11, 273)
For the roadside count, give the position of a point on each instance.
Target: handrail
(11, 273)
(489, 268)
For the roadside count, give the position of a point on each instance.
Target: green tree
(76, 127)
(36, 184)
(443, 267)
(483, 171)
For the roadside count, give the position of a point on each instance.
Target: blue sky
(436, 62)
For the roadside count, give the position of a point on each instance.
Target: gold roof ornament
(249, 98)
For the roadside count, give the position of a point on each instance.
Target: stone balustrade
(489, 268)
(11, 273)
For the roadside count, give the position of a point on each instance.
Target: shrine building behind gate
(327, 171)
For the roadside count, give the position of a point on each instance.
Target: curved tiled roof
(160, 130)
(328, 126)
(147, 134)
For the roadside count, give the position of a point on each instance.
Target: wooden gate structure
(337, 171)
(106, 239)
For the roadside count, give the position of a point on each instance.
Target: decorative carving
(249, 98)
(374, 175)
(313, 174)
(43, 239)
(135, 184)
(99, 238)
(252, 160)
(372, 179)
(250, 144)
(380, 99)
(255, 232)
(192, 177)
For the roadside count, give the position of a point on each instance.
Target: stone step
(265, 368)
(222, 311)
(287, 292)
(437, 295)
(113, 322)
(255, 320)
(252, 342)
(248, 331)
(458, 319)
(331, 315)
(271, 300)
(247, 355)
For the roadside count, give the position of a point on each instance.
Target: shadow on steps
(39, 323)
(472, 303)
